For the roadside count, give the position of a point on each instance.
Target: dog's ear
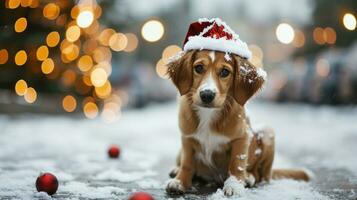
(248, 79)
(180, 72)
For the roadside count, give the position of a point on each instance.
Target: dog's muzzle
(207, 96)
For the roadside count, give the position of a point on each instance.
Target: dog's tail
(296, 174)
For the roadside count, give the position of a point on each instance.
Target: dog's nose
(207, 96)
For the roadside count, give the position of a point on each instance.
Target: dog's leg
(237, 167)
(183, 179)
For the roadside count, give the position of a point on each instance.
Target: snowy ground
(322, 139)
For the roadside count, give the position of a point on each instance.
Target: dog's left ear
(248, 79)
(180, 72)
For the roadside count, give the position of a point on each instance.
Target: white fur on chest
(210, 142)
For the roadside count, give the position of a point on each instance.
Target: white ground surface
(323, 139)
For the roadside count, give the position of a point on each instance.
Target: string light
(53, 39)
(30, 95)
(47, 66)
(4, 56)
(42, 53)
(51, 11)
(285, 33)
(69, 103)
(21, 87)
(152, 30)
(349, 21)
(20, 25)
(85, 19)
(20, 58)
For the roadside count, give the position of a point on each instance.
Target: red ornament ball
(47, 182)
(113, 151)
(141, 196)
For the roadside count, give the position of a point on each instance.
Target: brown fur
(230, 122)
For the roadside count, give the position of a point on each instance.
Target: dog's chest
(209, 141)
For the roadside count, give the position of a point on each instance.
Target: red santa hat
(214, 34)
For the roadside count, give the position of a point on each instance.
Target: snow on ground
(322, 139)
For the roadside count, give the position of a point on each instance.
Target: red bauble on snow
(141, 196)
(113, 151)
(47, 182)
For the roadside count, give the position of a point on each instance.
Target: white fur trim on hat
(234, 46)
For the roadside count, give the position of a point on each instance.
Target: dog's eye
(224, 73)
(199, 69)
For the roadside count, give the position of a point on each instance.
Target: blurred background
(95, 58)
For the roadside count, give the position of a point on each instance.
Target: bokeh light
(73, 33)
(4, 56)
(98, 77)
(318, 35)
(105, 35)
(51, 11)
(69, 103)
(132, 42)
(30, 95)
(85, 19)
(322, 67)
(85, 63)
(20, 25)
(104, 91)
(47, 66)
(152, 30)
(53, 39)
(170, 51)
(299, 39)
(20, 58)
(161, 69)
(285, 33)
(42, 53)
(21, 87)
(12, 4)
(349, 21)
(90, 110)
(118, 42)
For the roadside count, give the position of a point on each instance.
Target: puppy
(218, 144)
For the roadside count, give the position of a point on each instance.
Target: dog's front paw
(175, 186)
(233, 186)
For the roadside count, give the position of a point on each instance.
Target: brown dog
(218, 143)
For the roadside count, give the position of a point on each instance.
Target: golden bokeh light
(105, 35)
(85, 19)
(30, 95)
(21, 87)
(26, 3)
(92, 29)
(51, 11)
(68, 77)
(69, 103)
(349, 21)
(103, 91)
(132, 43)
(285, 33)
(12, 4)
(73, 33)
(4, 56)
(257, 55)
(152, 30)
(20, 58)
(118, 42)
(170, 51)
(318, 35)
(47, 66)
(299, 40)
(322, 67)
(85, 63)
(329, 35)
(102, 54)
(20, 25)
(161, 69)
(98, 77)
(53, 39)
(86, 80)
(109, 115)
(90, 110)
(42, 53)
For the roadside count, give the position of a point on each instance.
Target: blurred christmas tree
(61, 46)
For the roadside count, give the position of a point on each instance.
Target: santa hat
(214, 34)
